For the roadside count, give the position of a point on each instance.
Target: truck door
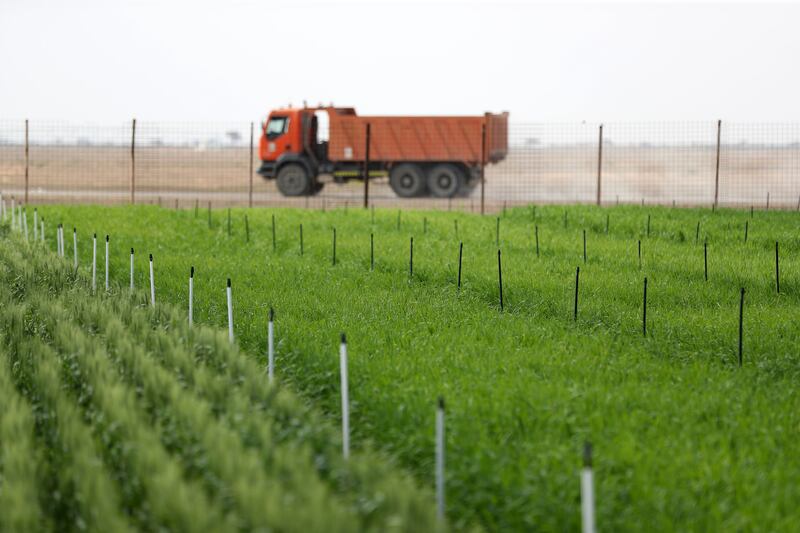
(278, 140)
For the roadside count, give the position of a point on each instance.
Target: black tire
(293, 180)
(407, 180)
(444, 181)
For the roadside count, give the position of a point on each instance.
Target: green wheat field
(117, 415)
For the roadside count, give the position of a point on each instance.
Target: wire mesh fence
(682, 163)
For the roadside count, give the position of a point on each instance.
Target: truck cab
(291, 150)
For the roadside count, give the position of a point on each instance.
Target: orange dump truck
(422, 156)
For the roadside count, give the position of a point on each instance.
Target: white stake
(440, 459)
(131, 269)
(106, 263)
(94, 262)
(13, 213)
(41, 233)
(345, 398)
(587, 490)
(191, 295)
(152, 284)
(25, 222)
(271, 345)
(35, 224)
(230, 312)
(75, 247)
(60, 240)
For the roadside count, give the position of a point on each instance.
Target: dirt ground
(655, 175)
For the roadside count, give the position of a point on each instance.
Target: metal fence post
(599, 164)
(133, 162)
(250, 192)
(366, 167)
(27, 157)
(483, 166)
(716, 174)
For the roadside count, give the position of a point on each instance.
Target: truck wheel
(444, 181)
(407, 180)
(293, 180)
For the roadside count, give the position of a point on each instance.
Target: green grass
(684, 439)
(117, 416)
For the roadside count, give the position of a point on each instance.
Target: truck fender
(295, 158)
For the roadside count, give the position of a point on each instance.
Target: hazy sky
(203, 60)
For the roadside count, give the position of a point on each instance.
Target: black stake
(424, 225)
(536, 232)
(460, 253)
(196, 207)
(371, 251)
(697, 232)
(705, 259)
(229, 222)
(500, 278)
(644, 309)
(745, 230)
(640, 254)
(751, 211)
(274, 245)
(301, 239)
(411, 259)
(565, 219)
(497, 232)
(333, 252)
(741, 317)
(247, 228)
(777, 270)
(648, 225)
(584, 247)
(577, 281)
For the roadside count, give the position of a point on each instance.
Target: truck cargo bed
(418, 139)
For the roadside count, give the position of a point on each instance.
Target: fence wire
(180, 164)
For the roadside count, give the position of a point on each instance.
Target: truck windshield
(277, 126)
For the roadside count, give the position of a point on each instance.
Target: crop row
(143, 426)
